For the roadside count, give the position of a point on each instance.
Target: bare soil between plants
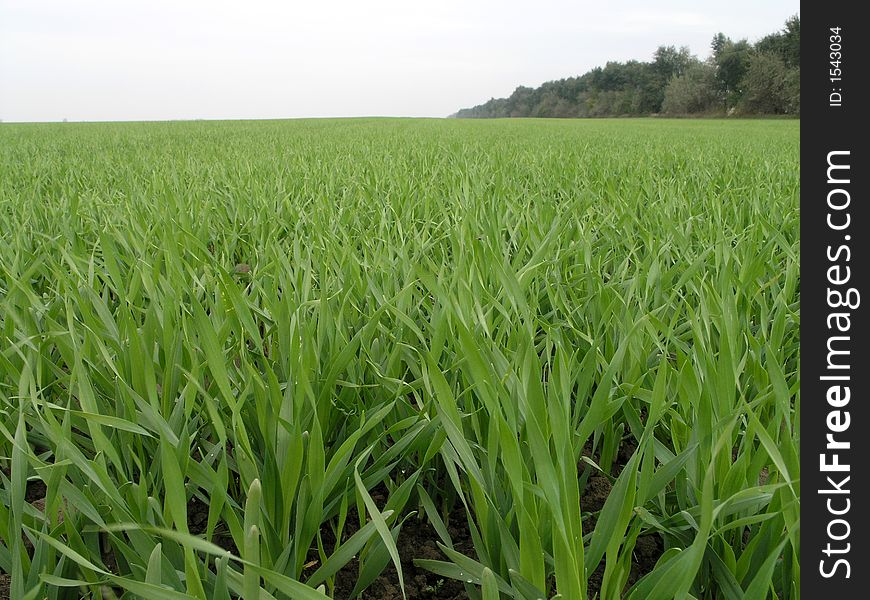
(417, 540)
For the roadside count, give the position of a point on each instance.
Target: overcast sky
(186, 59)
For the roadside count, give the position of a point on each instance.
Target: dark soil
(35, 494)
(595, 495)
(35, 490)
(648, 548)
(417, 540)
(197, 523)
(647, 551)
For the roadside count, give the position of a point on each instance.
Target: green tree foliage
(673, 82)
(786, 43)
(769, 86)
(732, 62)
(668, 63)
(695, 91)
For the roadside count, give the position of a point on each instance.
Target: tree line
(738, 78)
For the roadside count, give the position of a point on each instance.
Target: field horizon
(705, 118)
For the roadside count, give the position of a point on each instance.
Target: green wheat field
(364, 358)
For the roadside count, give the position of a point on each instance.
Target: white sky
(156, 59)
